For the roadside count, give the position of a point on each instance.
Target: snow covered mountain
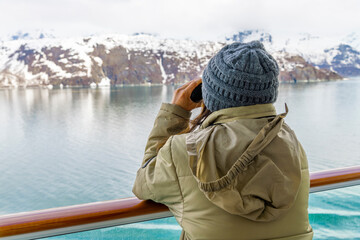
(250, 35)
(353, 39)
(119, 59)
(37, 34)
(341, 55)
(108, 59)
(343, 59)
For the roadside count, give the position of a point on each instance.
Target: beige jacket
(241, 175)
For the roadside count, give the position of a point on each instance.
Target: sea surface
(63, 147)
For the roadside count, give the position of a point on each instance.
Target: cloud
(196, 19)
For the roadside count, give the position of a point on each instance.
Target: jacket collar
(244, 112)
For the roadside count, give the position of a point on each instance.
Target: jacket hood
(246, 162)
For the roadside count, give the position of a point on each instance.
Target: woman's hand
(182, 95)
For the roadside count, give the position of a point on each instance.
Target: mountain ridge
(341, 54)
(116, 59)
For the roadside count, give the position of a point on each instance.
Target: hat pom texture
(240, 74)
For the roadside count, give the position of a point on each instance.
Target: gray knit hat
(240, 74)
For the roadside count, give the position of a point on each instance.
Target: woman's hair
(194, 124)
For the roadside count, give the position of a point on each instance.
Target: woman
(237, 172)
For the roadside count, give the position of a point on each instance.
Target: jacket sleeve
(157, 179)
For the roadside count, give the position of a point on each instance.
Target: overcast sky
(194, 19)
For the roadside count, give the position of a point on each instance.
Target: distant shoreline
(50, 87)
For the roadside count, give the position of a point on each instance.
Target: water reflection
(65, 146)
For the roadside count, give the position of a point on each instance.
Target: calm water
(70, 146)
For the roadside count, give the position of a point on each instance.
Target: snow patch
(105, 82)
(162, 70)
(93, 85)
(64, 60)
(98, 60)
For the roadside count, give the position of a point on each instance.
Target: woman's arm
(157, 178)
(171, 120)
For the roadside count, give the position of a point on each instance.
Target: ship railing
(96, 215)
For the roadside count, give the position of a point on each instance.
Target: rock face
(121, 60)
(294, 68)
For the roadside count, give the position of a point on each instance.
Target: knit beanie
(240, 74)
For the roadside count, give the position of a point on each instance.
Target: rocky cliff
(294, 68)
